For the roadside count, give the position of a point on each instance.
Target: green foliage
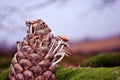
(88, 73)
(102, 60)
(4, 74)
(84, 73)
(5, 62)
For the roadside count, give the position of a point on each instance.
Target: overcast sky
(76, 19)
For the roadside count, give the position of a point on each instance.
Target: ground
(80, 73)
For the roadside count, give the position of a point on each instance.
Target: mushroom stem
(52, 45)
(61, 47)
(62, 54)
(59, 42)
(30, 29)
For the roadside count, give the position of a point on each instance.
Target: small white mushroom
(31, 29)
(67, 53)
(62, 54)
(53, 43)
(44, 42)
(31, 25)
(49, 56)
(61, 41)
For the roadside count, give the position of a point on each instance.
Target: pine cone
(35, 58)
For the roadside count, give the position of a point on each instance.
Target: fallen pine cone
(36, 54)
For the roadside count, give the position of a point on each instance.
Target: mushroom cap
(33, 21)
(64, 38)
(65, 44)
(67, 53)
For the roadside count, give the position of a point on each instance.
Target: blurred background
(92, 26)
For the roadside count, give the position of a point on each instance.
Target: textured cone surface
(32, 60)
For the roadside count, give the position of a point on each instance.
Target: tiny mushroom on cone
(64, 38)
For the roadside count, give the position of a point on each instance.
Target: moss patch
(88, 73)
(83, 73)
(102, 60)
(4, 74)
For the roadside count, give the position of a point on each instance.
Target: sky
(76, 19)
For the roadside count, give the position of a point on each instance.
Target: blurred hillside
(86, 47)
(96, 46)
(80, 50)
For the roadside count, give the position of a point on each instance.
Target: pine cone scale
(36, 53)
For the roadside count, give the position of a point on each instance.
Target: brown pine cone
(35, 54)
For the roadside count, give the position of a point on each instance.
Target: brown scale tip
(18, 42)
(33, 21)
(64, 38)
(35, 37)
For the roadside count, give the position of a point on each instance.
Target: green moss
(4, 74)
(84, 73)
(5, 62)
(88, 73)
(102, 60)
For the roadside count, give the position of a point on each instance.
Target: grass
(86, 73)
(103, 60)
(4, 63)
(82, 73)
(4, 74)
(74, 73)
